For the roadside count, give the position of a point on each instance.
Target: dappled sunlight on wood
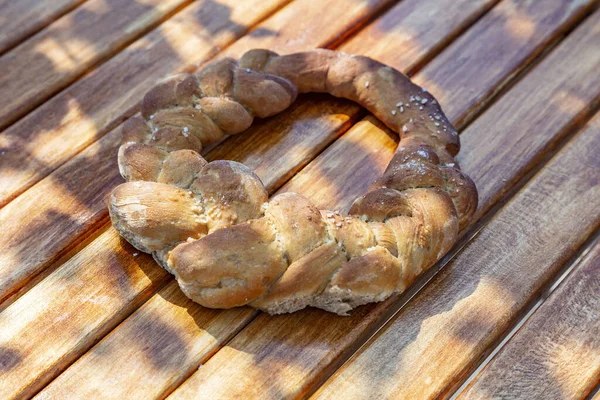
(66, 307)
(540, 104)
(474, 299)
(21, 19)
(59, 54)
(500, 50)
(361, 155)
(402, 37)
(64, 315)
(287, 31)
(569, 101)
(276, 148)
(568, 368)
(63, 55)
(91, 107)
(556, 352)
(518, 23)
(426, 341)
(254, 355)
(152, 351)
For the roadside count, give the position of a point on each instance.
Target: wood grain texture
(72, 333)
(256, 351)
(300, 132)
(144, 359)
(556, 353)
(60, 225)
(448, 327)
(41, 336)
(68, 47)
(20, 19)
(523, 29)
(73, 119)
(88, 109)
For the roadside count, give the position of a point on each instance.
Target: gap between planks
(223, 31)
(25, 21)
(104, 211)
(68, 49)
(132, 305)
(595, 105)
(443, 288)
(572, 264)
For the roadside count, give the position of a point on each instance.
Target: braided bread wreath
(213, 226)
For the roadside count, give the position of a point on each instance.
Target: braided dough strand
(212, 225)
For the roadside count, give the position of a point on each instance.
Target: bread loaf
(213, 226)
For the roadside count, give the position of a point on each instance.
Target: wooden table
(512, 311)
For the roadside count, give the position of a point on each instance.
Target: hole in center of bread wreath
(213, 226)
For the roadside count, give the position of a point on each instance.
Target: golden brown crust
(230, 267)
(210, 223)
(139, 162)
(297, 223)
(302, 281)
(231, 193)
(180, 168)
(155, 214)
(352, 234)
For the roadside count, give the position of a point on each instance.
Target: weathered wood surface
(556, 353)
(80, 298)
(63, 311)
(525, 29)
(85, 111)
(20, 19)
(305, 347)
(155, 350)
(315, 126)
(56, 56)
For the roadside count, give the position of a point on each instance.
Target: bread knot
(213, 226)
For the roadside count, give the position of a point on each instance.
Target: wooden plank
(433, 342)
(283, 343)
(150, 350)
(66, 311)
(526, 31)
(556, 353)
(76, 117)
(20, 19)
(406, 38)
(75, 206)
(55, 57)
(70, 382)
(40, 338)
